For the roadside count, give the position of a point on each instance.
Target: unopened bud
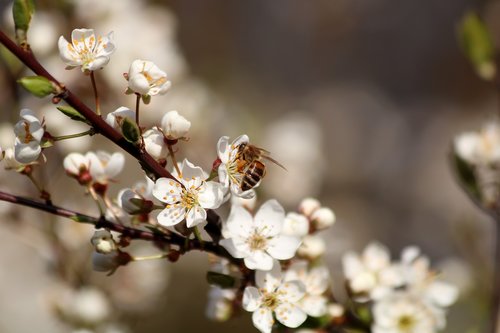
(174, 125)
(312, 247)
(308, 205)
(103, 242)
(323, 218)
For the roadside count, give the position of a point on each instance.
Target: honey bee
(251, 165)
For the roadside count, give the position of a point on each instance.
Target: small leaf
(37, 85)
(22, 11)
(82, 219)
(222, 280)
(72, 113)
(146, 99)
(46, 143)
(478, 45)
(130, 130)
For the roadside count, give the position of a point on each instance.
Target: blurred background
(360, 100)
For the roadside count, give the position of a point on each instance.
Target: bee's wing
(267, 157)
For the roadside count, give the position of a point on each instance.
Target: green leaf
(72, 113)
(22, 11)
(37, 85)
(222, 280)
(83, 219)
(146, 99)
(478, 45)
(130, 130)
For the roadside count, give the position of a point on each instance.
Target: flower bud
(308, 206)
(145, 78)
(154, 143)
(105, 262)
(103, 242)
(174, 125)
(295, 225)
(115, 118)
(312, 247)
(323, 218)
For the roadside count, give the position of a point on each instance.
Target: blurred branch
(495, 303)
(185, 244)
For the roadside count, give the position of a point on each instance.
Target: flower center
(27, 136)
(257, 242)
(189, 199)
(406, 323)
(270, 301)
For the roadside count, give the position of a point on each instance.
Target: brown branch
(97, 122)
(133, 233)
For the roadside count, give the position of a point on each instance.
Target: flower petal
(115, 165)
(233, 247)
(26, 152)
(315, 306)
(290, 315)
(67, 53)
(259, 260)
(283, 247)
(251, 299)
(263, 320)
(223, 149)
(239, 222)
(211, 195)
(167, 190)
(269, 280)
(291, 291)
(195, 216)
(270, 217)
(171, 216)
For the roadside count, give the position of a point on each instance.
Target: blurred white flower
(154, 142)
(372, 274)
(29, 132)
(188, 198)
(481, 147)
(105, 262)
(295, 225)
(145, 78)
(273, 295)
(335, 310)
(316, 281)
(87, 306)
(230, 170)
(103, 242)
(174, 125)
(323, 218)
(220, 303)
(308, 205)
(104, 166)
(247, 203)
(258, 240)
(402, 313)
(115, 118)
(77, 165)
(312, 247)
(9, 160)
(87, 50)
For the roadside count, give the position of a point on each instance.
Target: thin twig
(96, 94)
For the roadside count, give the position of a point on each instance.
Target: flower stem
(72, 136)
(152, 257)
(174, 160)
(43, 194)
(495, 302)
(197, 234)
(96, 94)
(96, 199)
(137, 107)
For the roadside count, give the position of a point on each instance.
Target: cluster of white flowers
(479, 153)
(29, 132)
(407, 294)
(94, 167)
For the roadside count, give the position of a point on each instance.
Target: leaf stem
(72, 136)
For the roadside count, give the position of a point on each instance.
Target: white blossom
(103, 242)
(87, 50)
(295, 225)
(323, 218)
(372, 274)
(479, 148)
(115, 118)
(145, 78)
(75, 164)
(258, 239)
(174, 125)
(230, 170)
(104, 166)
(274, 296)
(187, 198)
(316, 281)
(154, 142)
(29, 132)
(312, 247)
(86, 306)
(220, 303)
(403, 313)
(308, 205)
(10, 161)
(105, 262)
